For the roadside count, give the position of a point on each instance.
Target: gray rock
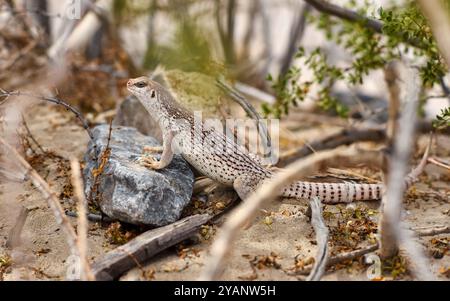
(131, 192)
(132, 113)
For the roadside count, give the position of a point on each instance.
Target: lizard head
(143, 87)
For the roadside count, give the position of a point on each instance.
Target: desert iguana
(215, 155)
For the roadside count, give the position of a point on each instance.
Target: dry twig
(432, 231)
(352, 16)
(7, 94)
(144, 246)
(344, 137)
(332, 260)
(82, 229)
(437, 162)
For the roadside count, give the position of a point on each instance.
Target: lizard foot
(148, 161)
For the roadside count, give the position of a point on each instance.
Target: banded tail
(334, 192)
(348, 192)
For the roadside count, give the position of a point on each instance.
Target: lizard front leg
(165, 150)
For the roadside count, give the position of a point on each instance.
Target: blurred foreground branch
(402, 138)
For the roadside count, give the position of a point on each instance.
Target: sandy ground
(274, 244)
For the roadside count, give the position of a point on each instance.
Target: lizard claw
(148, 161)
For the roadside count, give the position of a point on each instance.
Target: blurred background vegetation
(293, 50)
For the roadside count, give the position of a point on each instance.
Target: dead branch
(352, 254)
(296, 35)
(7, 94)
(246, 211)
(82, 229)
(344, 137)
(13, 240)
(346, 14)
(146, 245)
(438, 162)
(352, 16)
(92, 217)
(226, 36)
(31, 135)
(322, 241)
(432, 231)
(49, 196)
(439, 21)
(255, 93)
(332, 260)
(250, 29)
(266, 28)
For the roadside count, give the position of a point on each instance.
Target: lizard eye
(141, 84)
(153, 94)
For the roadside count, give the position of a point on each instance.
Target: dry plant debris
(117, 235)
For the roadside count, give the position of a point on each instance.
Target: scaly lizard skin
(220, 158)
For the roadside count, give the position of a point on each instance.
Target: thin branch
(438, 163)
(432, 231)
(321, 230)
(255, 93)
(296, 35)
(82, 229)
(352, 16)
(267, 37)
(344, 137)
(250, 110)
(245, 213)
(346, 14)
(31, 135)
(332, 260)
(6, 94)
(226, 36)
(352, 254)
(250, 28)
(96, 218)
